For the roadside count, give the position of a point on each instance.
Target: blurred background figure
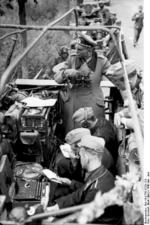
(138, 24)
(135, 81)
(63, 54)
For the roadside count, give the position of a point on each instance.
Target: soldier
(101, 7)
(101, 12)
(63, 53)
(97, 178)
(123, 117)
(69, 166)
(100, 128)
(112, 52)
(135, 80)
(84, 73)
(138, 24)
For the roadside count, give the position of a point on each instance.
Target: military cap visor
(75, 135)
(83, 114)
(117, 69)
(86, 41)
(95, 144)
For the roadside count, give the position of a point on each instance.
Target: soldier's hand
(65, 180)
(52, 208)
(71, 73)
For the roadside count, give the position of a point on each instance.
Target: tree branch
(10, 34)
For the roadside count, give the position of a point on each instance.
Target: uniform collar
(95, 173)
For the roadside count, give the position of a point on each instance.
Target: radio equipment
(35, 118)
(32, 124)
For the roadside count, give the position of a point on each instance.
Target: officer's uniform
(85, 91)
(99, 179)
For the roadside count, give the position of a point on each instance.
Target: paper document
(37, 102)
(51, 175)
(36, 82)
(67, 151)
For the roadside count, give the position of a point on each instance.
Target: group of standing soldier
(89, 157)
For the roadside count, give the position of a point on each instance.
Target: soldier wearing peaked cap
(75, 135)
(84, 71)
(97, 178)
(97, 128)
(82, 115)
(68, 164)
(93, 144)
(116, 71)
(101, 128)
(70, 167)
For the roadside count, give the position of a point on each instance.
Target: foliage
(119, 195)
(5, 4)
(39, 12)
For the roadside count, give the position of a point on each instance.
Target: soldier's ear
(86, 158)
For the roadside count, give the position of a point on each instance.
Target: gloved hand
(71, 73)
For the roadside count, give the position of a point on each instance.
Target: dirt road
(125, 10)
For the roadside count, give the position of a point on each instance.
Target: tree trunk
(22, 21)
